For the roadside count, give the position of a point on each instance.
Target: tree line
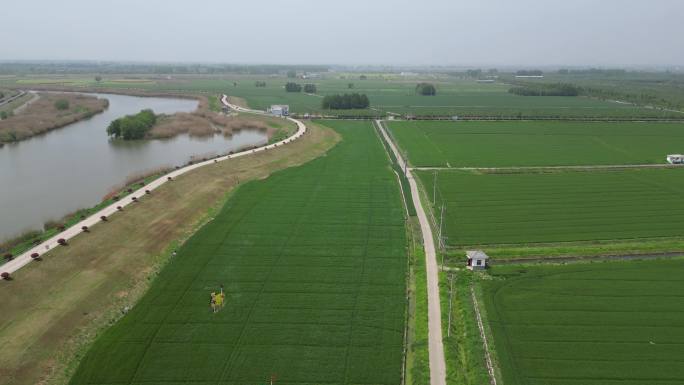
(345, 102)
(530, 73)
(260, 84)
(294, 87)
(132, 127)
(558, 89)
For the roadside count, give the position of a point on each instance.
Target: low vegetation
(315, 287)
(62, 104)
(590, 324)
(345, 102)
(48, 113)
(557, 89)
(492, 208)
(511, 144)
(202, 122)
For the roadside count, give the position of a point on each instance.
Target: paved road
(25, 258)
(435, 344)
(13, 98)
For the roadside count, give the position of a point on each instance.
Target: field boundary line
(542, 168)
(483, 335)
(75, 230)
(435, 337)
(580, 258)
(407, 292)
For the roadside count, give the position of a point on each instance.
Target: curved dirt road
(43, 248)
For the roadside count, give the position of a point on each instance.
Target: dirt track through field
(435, 343)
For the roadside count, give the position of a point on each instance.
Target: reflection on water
(51, 175)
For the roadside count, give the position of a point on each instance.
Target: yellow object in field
(219, 300)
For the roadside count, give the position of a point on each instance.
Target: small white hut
(279, 110)
(477, 259)
(675, 159)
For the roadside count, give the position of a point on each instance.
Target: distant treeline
(530, 73)
(345, 102)
(593, 71)
(558, 89)
(132, 127)
(12, 68)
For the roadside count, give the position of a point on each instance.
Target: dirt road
(435, 344)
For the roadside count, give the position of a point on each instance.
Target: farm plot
(526, 208)
(590, 324)
(313, 261)
(387, 93)
(529, 143)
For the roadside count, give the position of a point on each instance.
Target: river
(46, 177)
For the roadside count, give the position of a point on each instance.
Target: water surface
(49, 176)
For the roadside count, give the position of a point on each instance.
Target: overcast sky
(391, 32)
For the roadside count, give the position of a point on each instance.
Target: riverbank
(43, 115)
(101, 273)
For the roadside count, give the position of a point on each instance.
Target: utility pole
(441, 221)
(451, 291)
(434, 188)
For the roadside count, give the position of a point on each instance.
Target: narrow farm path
(435, 343)
(13, 98)
(541, 168)
(73, 231)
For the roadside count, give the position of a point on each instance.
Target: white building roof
(476, 254)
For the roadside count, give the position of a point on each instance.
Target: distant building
(279, 110)
(477, 259)
(486, 80)
(529, 76)
(675, 159)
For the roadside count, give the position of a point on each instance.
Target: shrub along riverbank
(49, 112)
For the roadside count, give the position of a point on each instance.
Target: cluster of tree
(345, 102)
(4, 115)
(350, 85)
(363, 77)
(594, 71)
(260, 84)
(426, 89)
(530, 73)
(62, 104)
(558, 89)
(291, 74)
(475, 74)
(293, 87)
(310, 88)
(132, 126)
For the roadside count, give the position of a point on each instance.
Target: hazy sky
(400, 32)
